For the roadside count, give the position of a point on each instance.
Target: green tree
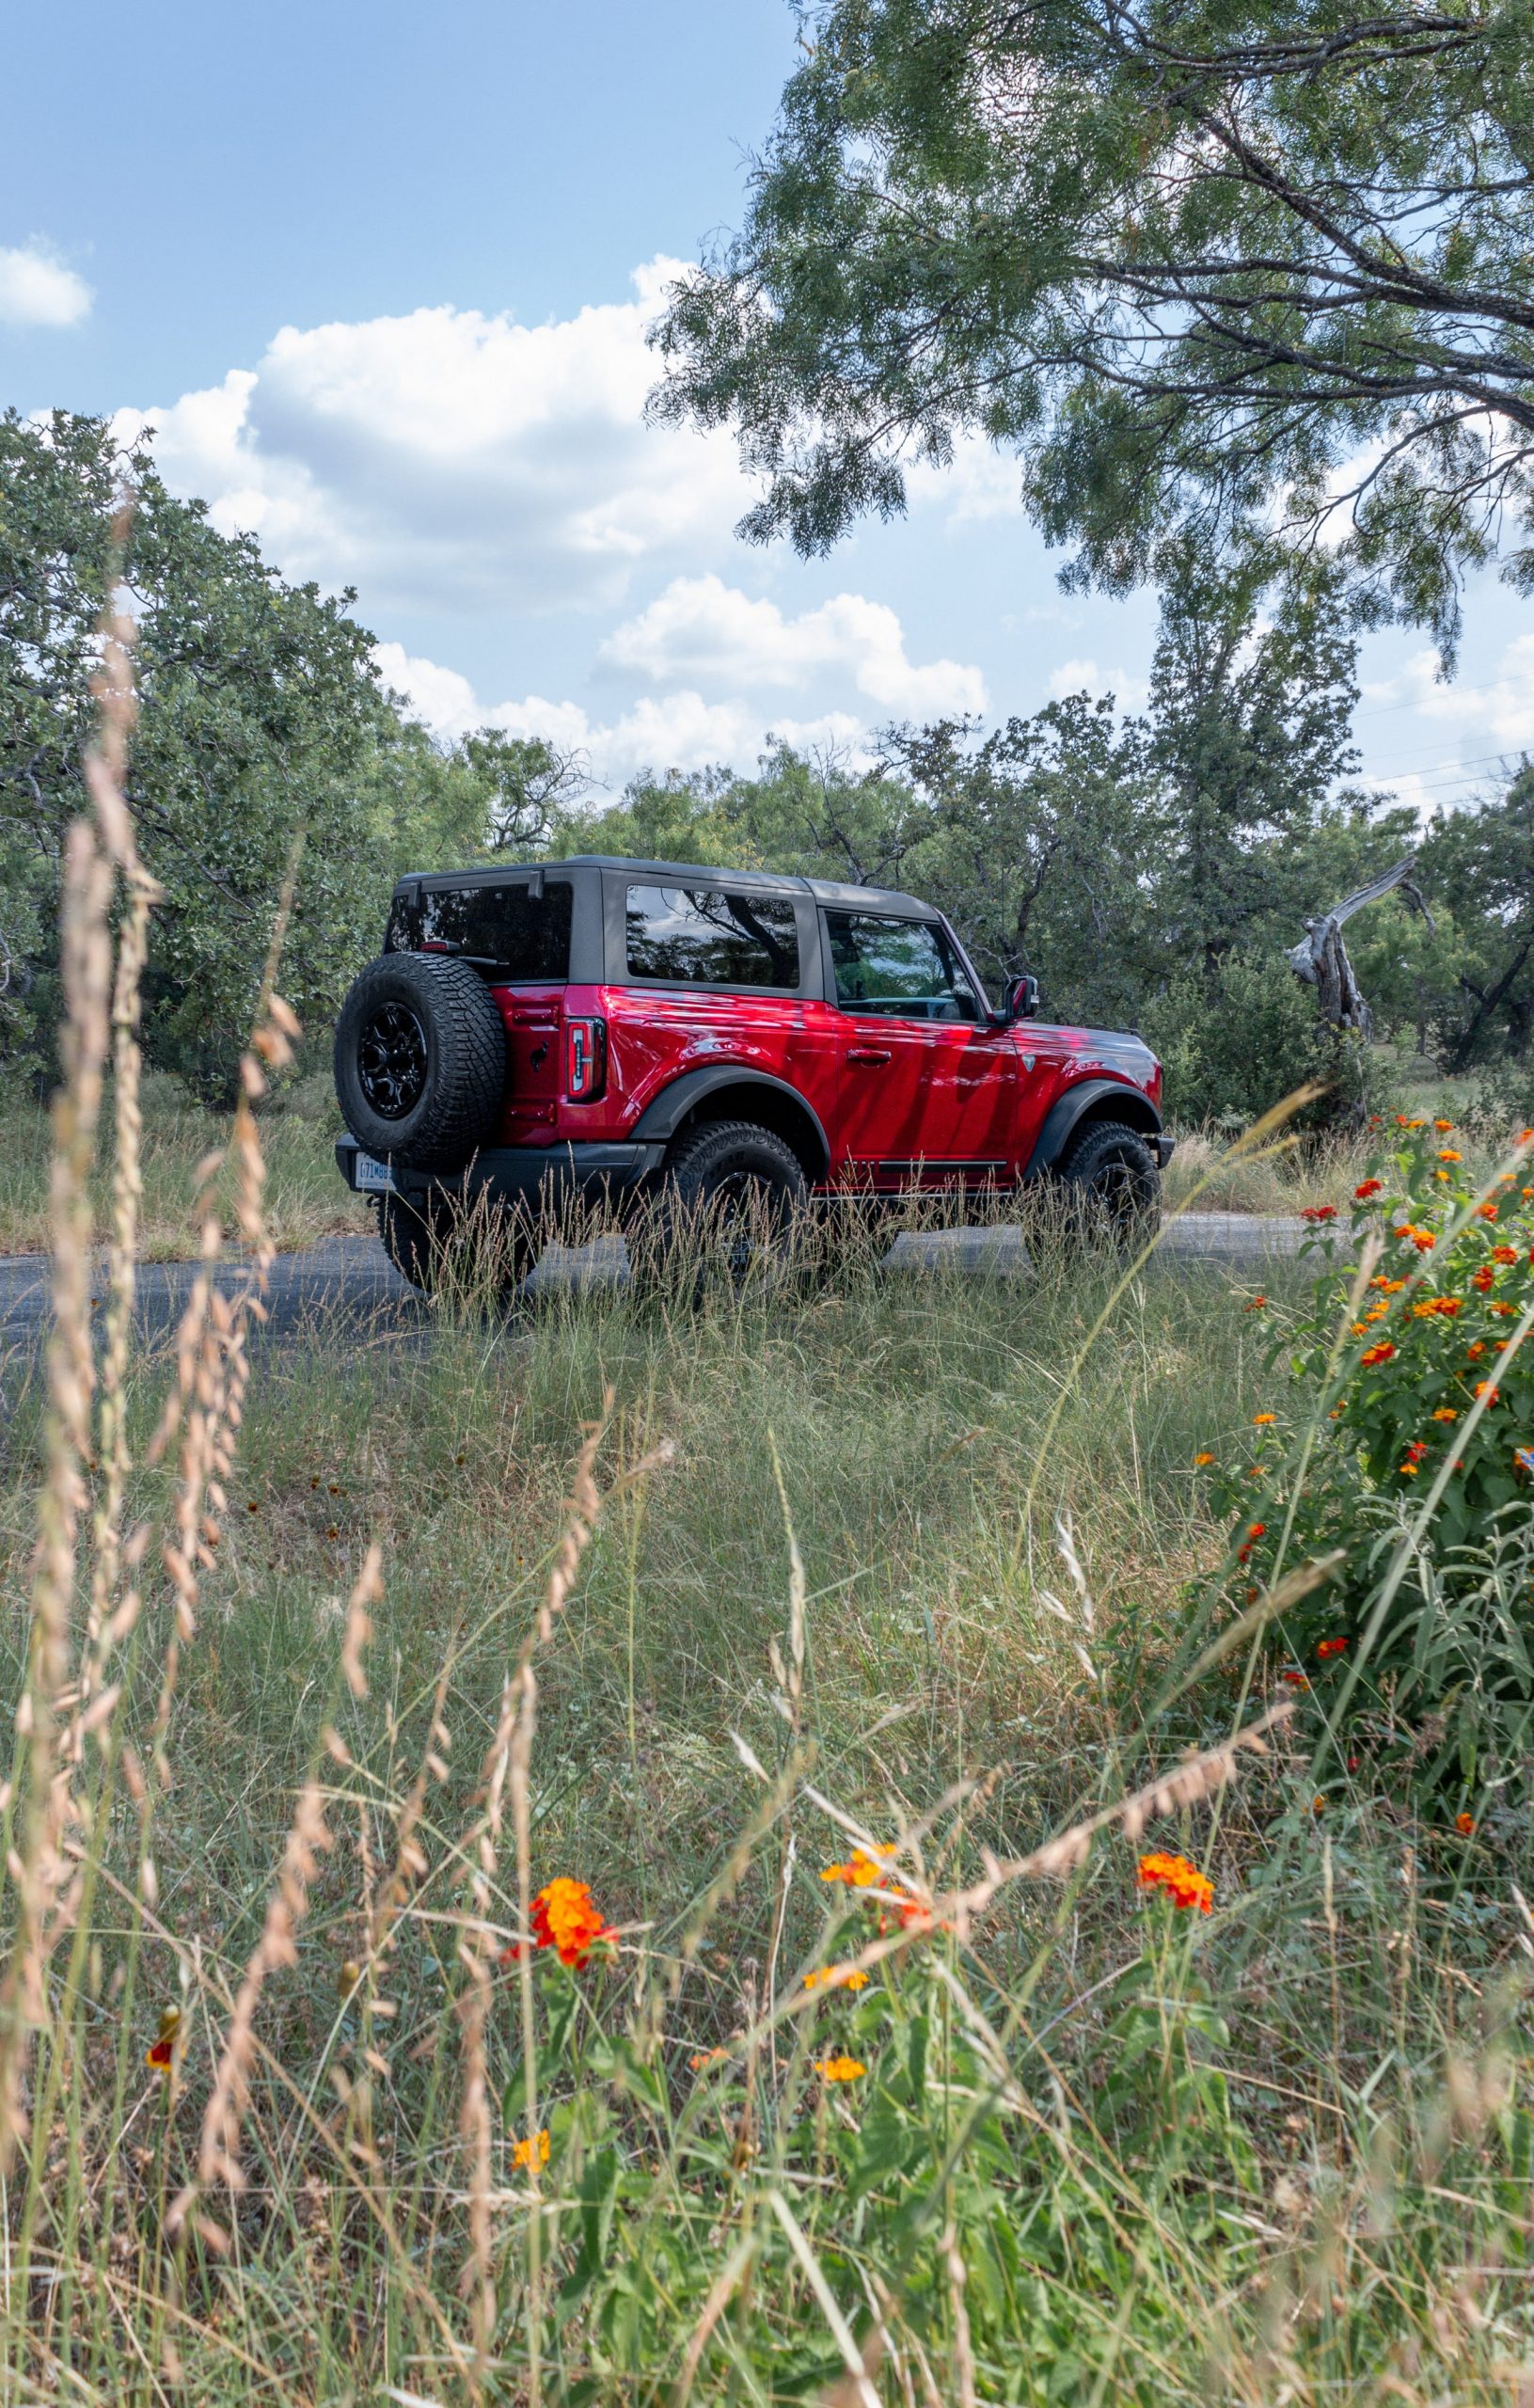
(261, 719)
(1184, 260)
(1481, 863)
(1252, 695)
(1038, 848)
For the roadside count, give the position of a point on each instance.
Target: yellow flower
(1202, 1458)
(1448, 1154)
(532, 2152)
(1260, 1421)
(862, 1870)
(840, 2068)
(836, 1977)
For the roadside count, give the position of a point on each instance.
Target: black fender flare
(664, 1114)
(1068, 1111)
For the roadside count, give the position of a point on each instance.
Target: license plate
(373, 1178)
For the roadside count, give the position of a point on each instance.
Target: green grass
(307, 1197)
(1281, 2153)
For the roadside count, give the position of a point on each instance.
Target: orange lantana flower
(1373, 1355)
(840, 2068)
(1182, 1883)
(532, 2152)
(861, 1871)
(565, 1918)
(1331, 1647)
(1465, 1824)
(836, 1977)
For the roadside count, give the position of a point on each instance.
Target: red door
(929, 1088)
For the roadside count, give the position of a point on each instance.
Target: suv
(656, 1035)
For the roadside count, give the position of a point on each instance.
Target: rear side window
(508, 929)
(898, 969)
(707, 936)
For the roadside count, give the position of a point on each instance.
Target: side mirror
(1022, 997)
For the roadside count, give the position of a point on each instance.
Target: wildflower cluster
(565, 1918)
(1433, 1334)
(1176, 1880)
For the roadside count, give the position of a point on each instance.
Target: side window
(706, 937)
(899, 969)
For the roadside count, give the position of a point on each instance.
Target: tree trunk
(1320, 959)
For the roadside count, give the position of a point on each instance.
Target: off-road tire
(432, 1246)
(1112, 1183)
(681, 1232)
(421, 1060)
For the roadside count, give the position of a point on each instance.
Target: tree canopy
(1200, 264)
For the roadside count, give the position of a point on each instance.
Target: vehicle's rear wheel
(730, 1208)
(420, 1059)
(441, 1250)
(1112, 1183)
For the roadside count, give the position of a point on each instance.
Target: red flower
(1182, 1883)
(1331, 1647)
(1370, 1187)
(565, 1918)
(1373, 1354)
(1319, 1212)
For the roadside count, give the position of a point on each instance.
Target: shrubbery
(1234, 1041)
(1408, 1454)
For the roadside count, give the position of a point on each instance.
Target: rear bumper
(540, 1176)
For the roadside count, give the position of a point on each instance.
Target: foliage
(1037, 845)
(1253, 686)
(1236, 1038)
(1407, 1448)
(1184, 263)
(261, 723)
(1480, 863)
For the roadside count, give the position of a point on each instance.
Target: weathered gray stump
(1321, 957)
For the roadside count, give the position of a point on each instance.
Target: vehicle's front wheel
(730, 1207)
(1112, 1183)
(439, 1250)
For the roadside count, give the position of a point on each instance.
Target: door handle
(866, 1056)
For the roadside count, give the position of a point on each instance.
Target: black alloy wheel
(391, 1061)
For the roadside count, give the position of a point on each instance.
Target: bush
(1409, 1454)
(1236, 1043)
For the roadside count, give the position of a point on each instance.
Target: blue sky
(380, 276)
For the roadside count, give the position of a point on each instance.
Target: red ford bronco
(645, 1031)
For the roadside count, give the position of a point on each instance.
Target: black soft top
(828, 891)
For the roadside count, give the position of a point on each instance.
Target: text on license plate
(373, 1178)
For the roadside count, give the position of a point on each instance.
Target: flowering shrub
(1430, 1395)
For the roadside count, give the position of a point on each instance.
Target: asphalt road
(347, 1284)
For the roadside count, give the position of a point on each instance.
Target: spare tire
(420, 1059)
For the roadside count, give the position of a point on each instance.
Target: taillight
(585, 1059)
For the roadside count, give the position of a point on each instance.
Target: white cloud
(679, 730)
(37, 290)
(701, 628)
(1502, 709)
(979, 482)
(456, 460)
(1085, 676)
